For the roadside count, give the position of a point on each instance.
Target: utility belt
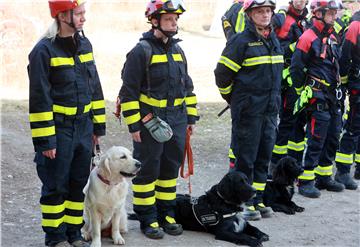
(334, 93)
(319, 106)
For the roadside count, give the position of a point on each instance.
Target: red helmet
(250, 4)
(325, 5)
(156, 7)
(58, 6)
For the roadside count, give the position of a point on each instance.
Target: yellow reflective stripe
(154, 224)
(131, 105)
(280, 149)
(159, 59)
(178, 101)
(357, 158)
(226, 90)
(59, 61)
(64, 109)
(143, 187)
(191, 111)
(337, 27)
(55, 209)
(307, 175)
(259, 186)
(263, 60)
(52, 222)
(153, 102)
(41, 132)
(191, 100)
(99, 118)
(285, 72)
(144, 201)
(229, 63)
(132, 119)
(344, 158)
(169, 219)
(98, 104)
(292, 46)
(166, 196)
(296, 146)
(75, 220)
(52, 209)
(344, 79)
(240, 21)
(86, 57)
(231, 154)
(298, 90)
(177, 57)
(87, 107)
(323, 170)
(166, 183)
(41, 116)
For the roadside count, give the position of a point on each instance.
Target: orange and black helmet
(58, 6)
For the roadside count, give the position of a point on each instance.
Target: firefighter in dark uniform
(67, 116)
(317, 53)
(350, 72)
(168, 94)
(248, 76)
(289, 26)
(233, 21)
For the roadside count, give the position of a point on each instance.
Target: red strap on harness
(189, 154)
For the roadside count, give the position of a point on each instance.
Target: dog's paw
(255, 243)
(96, 243)
(289, 211)
(299, 209)
(264, 238)
(118, 239)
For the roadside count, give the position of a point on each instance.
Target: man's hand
(136, 136)
(51, 154)
(191, 128)
(95, 139)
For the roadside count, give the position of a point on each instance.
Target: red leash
(189, 154)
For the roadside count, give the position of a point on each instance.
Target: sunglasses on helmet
(261, 2)
(173, 5)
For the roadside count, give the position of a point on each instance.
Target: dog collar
(104, 180)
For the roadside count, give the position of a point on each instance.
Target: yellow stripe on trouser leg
(344, 158)
(259, 186)
(307, 175)
(357, 158)
(323, 170)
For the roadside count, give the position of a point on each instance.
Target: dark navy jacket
(170, 84)
(350, 58)
(233, 20)
(63, 82)
(249, 71)
(309, 56)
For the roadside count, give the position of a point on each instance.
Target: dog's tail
(132, 216)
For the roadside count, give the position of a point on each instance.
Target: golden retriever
(105, 194)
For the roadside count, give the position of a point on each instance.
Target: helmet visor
(174, 5)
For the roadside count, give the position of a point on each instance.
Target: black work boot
(171, 227)
(357, 172)
(308, 189)
(153, 231)
(326, 182)
(346, 180)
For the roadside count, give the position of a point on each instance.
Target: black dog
(279, 192)
(216, 211)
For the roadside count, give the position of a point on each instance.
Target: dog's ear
(279, 174)
(104, 166)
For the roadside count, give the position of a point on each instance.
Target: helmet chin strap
(326, 25)
(71, 23)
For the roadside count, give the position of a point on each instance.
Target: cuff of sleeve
(44, 145)
(134, 127)
(193, 119)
